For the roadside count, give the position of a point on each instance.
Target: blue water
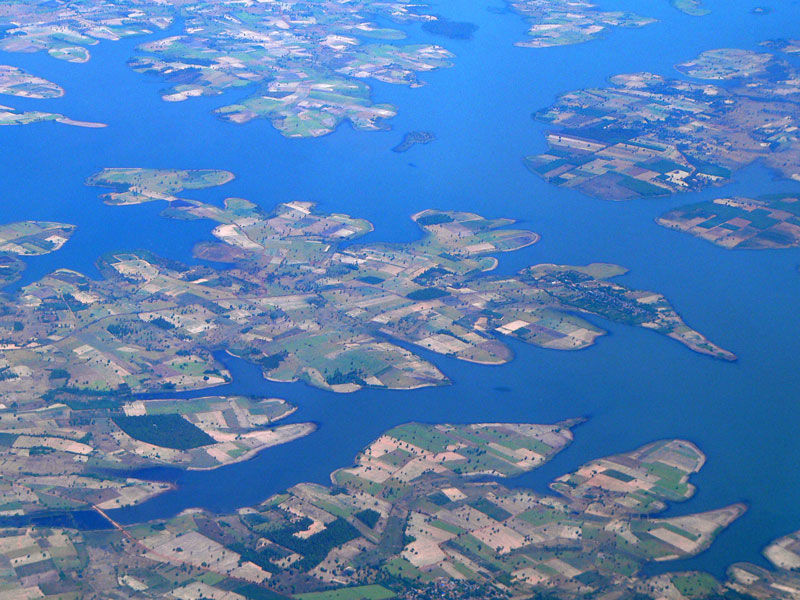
(634, 386)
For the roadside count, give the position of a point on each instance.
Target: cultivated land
(11, 116)
(292, 298)
(305, 308)
(768, 222)
(420, 515)
(564, 22)
(28, 238)
(16, 82)
(307, 62)
(33, 238)
(62, 439)
(71, 450)
(646, 135)
(727, 63)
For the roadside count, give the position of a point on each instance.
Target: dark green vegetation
(167, 431)
(766, 222)
(413, 138)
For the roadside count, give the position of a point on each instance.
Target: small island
(727, 63)
(413, 138)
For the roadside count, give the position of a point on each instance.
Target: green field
(363, 592)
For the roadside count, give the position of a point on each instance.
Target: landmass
(768, 222)
(292, 297)
(307, 63)
(70, 450)
(34, 238)
(564, 22)
(306, 60)
(421, 514)
(65, 29)
(727, 63)
(304, 92)
(412, 138)
(327, 303)
(646, 135)
(16, 82)
(10, 116)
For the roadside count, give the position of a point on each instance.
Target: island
(413, 138)
(436, 293)
(727, 63)
(744, 223)
(297, 297)
(790, 46)
(307, 60)
(646, 135)
(564, 22)
(10, 116)
(421, 513)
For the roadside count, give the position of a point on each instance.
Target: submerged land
(696, 8)
(647, 135)
(420, 514)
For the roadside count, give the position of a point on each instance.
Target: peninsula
(646, 135)
(421, 514)
(744, 223)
